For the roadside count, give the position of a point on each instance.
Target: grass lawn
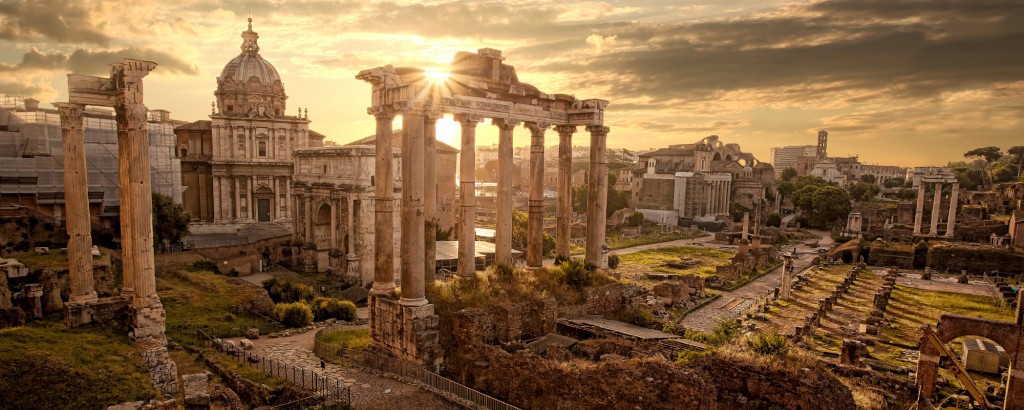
(349, 338)
(54, 259)
(655, 259)
(203, 300)
(45, 365)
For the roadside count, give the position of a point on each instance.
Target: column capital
(505, 124)
(468, 119)
(70, 114)
(536, 129)
(565, 129)
(382, 112)
(598, 129)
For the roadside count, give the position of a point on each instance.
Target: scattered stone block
(246, 344)
(197, 392)
(252, 333)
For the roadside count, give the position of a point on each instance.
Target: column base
(97, 310)
(413, 302)
(83, 299)
(383, 288)
(147, 318)
(407, 332)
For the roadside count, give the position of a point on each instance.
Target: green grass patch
(655, 259)
(45, 365)
(204, 300)
(355, 339)
(616, 241)
(244, 370)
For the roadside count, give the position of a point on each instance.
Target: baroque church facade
(237, 167)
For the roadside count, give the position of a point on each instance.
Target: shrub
(331, 308)
(206, 265)
(637, 316)
(296, 314)
(686, 356)
(669, 327)
(503, 272)
(577, 273)
(282, 291)
(613, 261)
(769, 344)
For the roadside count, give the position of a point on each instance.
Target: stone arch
(717, 157)
(322, 225)
(1005, 334)
(728, 157)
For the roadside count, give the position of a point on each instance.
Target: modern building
(32, 160)
(786, 157)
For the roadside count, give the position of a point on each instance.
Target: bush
(577, 273)
(503, 272)
(282, 291)
(296, 314)
(613, 261)
(205, 265)
(331, 308)
(774, 220)
(637, 316)
(769, 344)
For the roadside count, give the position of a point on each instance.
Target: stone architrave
(535, 225)
(413, 286)
(503, 211)
(563, 222)
(76, 204)
(384, 205)
(597, 203)
(467, 186)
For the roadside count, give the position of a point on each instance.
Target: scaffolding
(32, 158)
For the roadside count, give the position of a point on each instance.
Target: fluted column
(413, 292)
(936, 204)
(597, 203)
(384, 200)
(503, 210)
(430, 196)
(334, 224)
(563, 223)
(76, 204)
(919, 214)
(535, 223)
(954, 197)
(308, 206)
(467, 192)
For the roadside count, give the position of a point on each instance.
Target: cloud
(601, 43)
(97, 62)
(66, 21)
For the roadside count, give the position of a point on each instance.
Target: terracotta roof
(201, 125)
(396, 141)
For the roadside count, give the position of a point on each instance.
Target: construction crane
(957, 369)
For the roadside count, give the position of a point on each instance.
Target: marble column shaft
(76, 204)
(535, 223)
(413, 292)
(503, 209)
(384, 202)
(136, 194)
(467, 192)
(597, 203)
(919, 214)
(430, 196)
(563, 223)
(954, 197)
(936, 204)
(334, 224)
(237, 184)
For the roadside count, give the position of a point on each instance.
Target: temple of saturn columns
(479, 86)
(936, 177)
(122, 91)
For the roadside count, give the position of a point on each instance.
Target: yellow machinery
(957, 369)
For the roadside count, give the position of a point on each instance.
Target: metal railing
(433, 381)
(333, 391)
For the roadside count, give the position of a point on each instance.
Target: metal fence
(399, 367)
(333, 392)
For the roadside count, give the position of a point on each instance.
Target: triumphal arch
(478, 86)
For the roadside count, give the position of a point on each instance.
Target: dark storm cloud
(66, 21)
(92, 62)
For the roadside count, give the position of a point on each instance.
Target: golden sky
(900, 82)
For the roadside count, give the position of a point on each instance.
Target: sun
(435, 75)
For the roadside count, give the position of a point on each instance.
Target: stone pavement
(369, 391)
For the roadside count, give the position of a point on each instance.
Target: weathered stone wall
(973, 259)
(610, 299)
(979, 231)
(162, 370)
(741, 384)
(899, 255)
(245, 258)
(657, 194)
(506, 323)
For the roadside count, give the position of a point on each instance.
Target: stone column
(467, 192)
(334, 224)
(535, 225)
(251, 199)
(218, 213)
(954, 198)
(76, 204)
(709, 210)
(288, 199)
(746, 225)
(503, 209)
(597, 203)
(412, 210)
(430, 196)
(383, 207)
(919, 214)
(238, 198)
(563, 223)
(936, 204)
(275, 201)
(307, 200)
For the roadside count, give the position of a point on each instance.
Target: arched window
(184, 152)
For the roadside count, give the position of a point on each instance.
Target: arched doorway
(322, 226)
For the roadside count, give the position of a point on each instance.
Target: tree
(989, 154)
(773, 219)
(863, 191)
(830, 204)
(170, 221)
(788, 173)
(906, 194)
(520, 231)
(635, 219)
(868, 178)
(894, 182)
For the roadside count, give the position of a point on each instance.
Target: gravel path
(369, 391)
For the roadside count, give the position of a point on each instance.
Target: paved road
(736, 302)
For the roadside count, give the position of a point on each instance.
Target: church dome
(250, 64)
